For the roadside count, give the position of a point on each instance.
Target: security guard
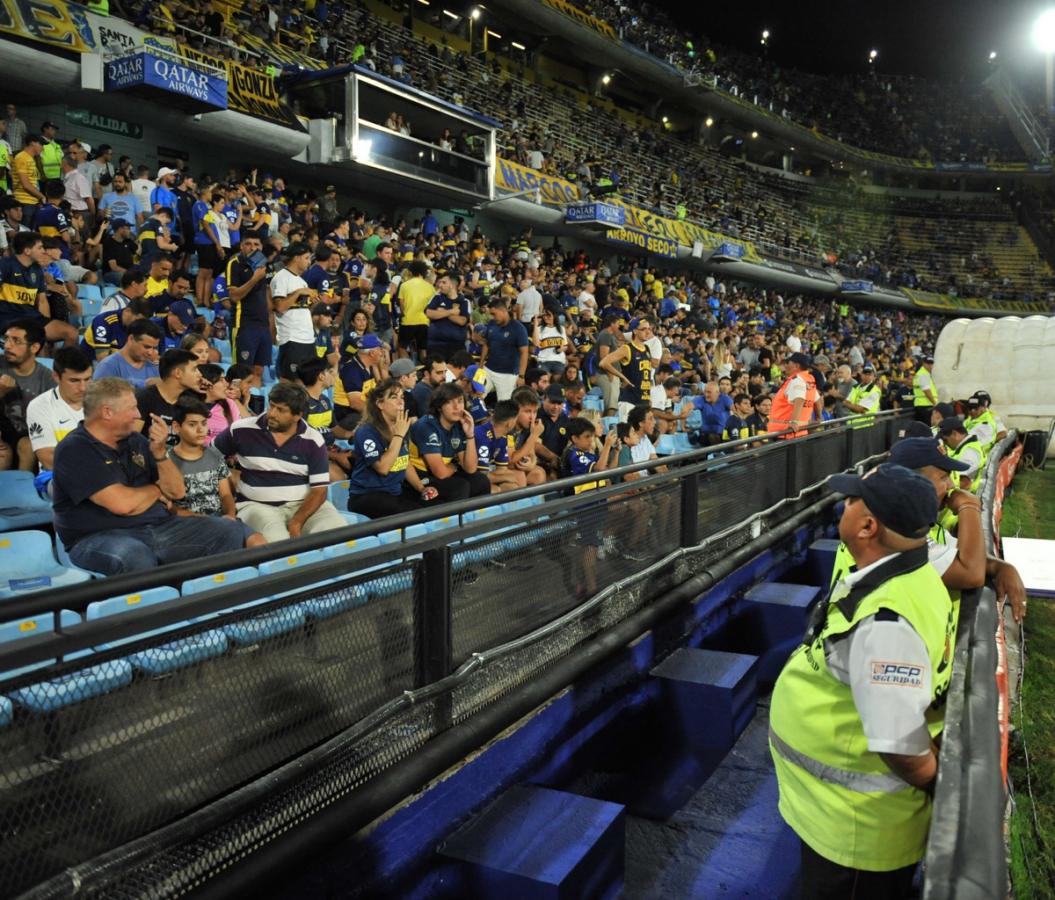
(924, 392)
(980, 422)
(966, 448)
(794, 401)
(50, 152)
(863, 399)
(849, 729)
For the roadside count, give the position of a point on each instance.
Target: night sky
(946, 39)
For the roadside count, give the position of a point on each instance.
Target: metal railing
(363, 658)
(965, 849)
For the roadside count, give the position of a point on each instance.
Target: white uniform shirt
(49, 419)
(796, 389)
(892, 707)
(294, 325)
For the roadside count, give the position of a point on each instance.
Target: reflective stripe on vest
(862, 782)
(972, 441)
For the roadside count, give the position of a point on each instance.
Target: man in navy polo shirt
(285, 469)
(505, 353)
(108, 331)
(448, 314)
(113, 491)
(174, 324)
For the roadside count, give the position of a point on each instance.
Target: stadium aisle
(727, 841)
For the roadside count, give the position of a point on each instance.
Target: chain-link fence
(144, 729)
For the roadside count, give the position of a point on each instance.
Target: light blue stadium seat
(595, 391)
(109, 290)
(609, 422)
(27, 563)
(207, 313)
(225, 349)
(276, 622)
(46, 361)
(89, 292)
(168, 657)
(593, 402)
(346, 548)
(7, 709)
(666, 445)
(337, 494)
(219, 580)
(415, 531)
(20, 504)
(50, 695)
(450, 521)
(682, 444)
(390, 537)
(64, 558)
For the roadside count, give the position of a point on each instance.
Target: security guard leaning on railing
(849, 730)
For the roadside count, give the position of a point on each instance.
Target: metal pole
(432, 617)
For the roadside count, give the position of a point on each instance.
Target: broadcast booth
(348, 108)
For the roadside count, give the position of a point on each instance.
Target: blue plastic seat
(7, 709)
(225, 349)
(450, 521)
(168, 657)
(49, 695)
(682, 444)
(46, 361)
(593, 402)
(219, 580)
(666, 445)
(595, 391)
(20, 504)
(390, 537)
(337, 494)
(609, 422)
(353, 546)
(278, 621)
(27, 563)
(64, 558)
(109, 290)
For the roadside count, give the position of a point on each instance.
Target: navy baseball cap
(800, 359)
(947, 410)
(917, 452)
(902, 500)
(369, 342)
(184, 311)
(120, 223)
(950, 424)
(554, 393)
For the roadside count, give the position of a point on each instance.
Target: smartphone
(258, 260)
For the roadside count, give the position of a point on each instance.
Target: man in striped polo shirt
(285, 469)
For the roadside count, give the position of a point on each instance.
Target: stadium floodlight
(424, 2)
(708, 121)
(517, 46)
(872, 54)
(1044, 31)
(447, 12)
(494, 34)
(475, 13)
(665, 120)
(765, 36)
(992, 55)
(754, 135)
(606, 79)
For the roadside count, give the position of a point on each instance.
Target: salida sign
(108, 124)
(146, 69)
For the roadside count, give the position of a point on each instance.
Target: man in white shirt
(293, 299)
(142, 186)
(54, 414)
(529, 303)
(78, 187)
(587, 302)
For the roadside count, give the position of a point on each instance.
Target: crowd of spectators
(419, 361)
(901, 115)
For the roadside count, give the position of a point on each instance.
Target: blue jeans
(176, 540)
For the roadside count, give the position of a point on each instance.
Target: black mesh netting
(164, 729)
(103, 749)
(513, 581)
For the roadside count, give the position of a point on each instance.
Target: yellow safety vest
(51, 160)
(919, 396)
(840, 797)
(857, 393)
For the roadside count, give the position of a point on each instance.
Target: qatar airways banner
(146, 69)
